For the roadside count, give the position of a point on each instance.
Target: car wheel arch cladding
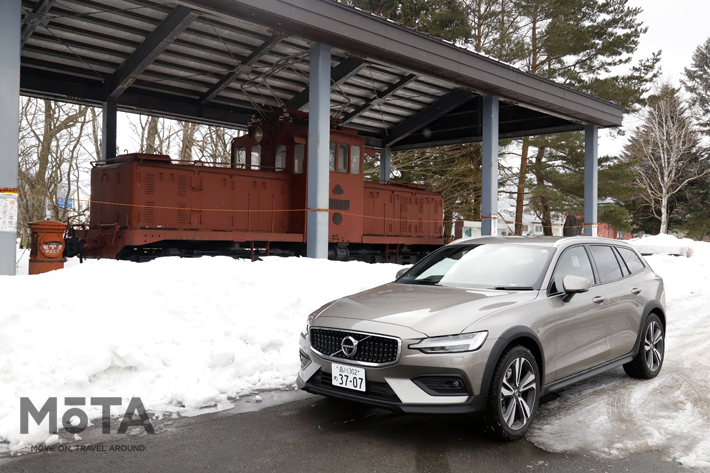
(520, 335)
(652, 307)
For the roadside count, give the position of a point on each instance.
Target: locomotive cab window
(355, 160)
(343, 158)
(280, 162)
(333, 149)
(255, 157)
(298, 154)
(240, 158)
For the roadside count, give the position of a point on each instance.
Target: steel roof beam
(436, 110)
(244, 67)
(35, 83)
(37, 18)
(379, 98)
(338, 74)
(381, 40)
(458, 137)
(170, 28)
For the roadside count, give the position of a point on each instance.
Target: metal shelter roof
(221, 61)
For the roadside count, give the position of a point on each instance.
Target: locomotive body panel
(145, 206)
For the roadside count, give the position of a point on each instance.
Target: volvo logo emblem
(349, 346)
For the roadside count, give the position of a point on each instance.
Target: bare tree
(154, 135)
(189, 132)
(50, 158)
(665, 151)
(216, 144)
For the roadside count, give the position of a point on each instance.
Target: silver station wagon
(489, 324)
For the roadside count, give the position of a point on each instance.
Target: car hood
(431, 310)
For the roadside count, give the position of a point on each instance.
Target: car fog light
(451, 343)
(442, 385)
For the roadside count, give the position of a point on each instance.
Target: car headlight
(451, 343)
(306, 327)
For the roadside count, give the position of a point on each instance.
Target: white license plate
(348, 377)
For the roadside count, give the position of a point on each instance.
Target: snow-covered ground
(178, 333)
(187, 333)
(613, 415)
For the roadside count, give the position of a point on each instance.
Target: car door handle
(598, 299)
(635, 290)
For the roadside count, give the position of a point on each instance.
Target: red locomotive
(145, 206)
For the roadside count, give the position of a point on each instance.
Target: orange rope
(284, 210)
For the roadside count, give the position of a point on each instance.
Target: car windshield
(490, 266)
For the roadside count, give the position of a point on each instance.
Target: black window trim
(622, 262)
(552, 274)
(594, 263)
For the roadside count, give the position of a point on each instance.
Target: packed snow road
(191, 334)
(314, 434)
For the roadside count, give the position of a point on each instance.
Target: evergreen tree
(562, 171)
(697, 83)
(577, 43)
(442, 18)
(455, 170)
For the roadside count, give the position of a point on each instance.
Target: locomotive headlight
(258, 134)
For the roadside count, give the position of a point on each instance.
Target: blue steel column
(10, 23)
(591, 169)
(489, 149)
(318, 145)
(385, 161)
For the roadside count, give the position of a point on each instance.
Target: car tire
(513, 395)
(649, 359)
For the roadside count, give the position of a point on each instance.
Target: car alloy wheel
(518, 393)
(647, 363)
(653, 346)
(513, 395)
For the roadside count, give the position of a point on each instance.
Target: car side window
(573, 262)
(607, 265)
(633, 262)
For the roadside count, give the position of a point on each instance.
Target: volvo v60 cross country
(490, 324)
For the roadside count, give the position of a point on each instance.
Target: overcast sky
(675, 27)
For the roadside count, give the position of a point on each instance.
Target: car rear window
(607, 265)
(632, 260)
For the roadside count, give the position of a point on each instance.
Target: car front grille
(372, 350)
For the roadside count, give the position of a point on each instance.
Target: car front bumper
(471, 405)
(394, 387)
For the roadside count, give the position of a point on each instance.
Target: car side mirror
(401, 272)
(574, 285)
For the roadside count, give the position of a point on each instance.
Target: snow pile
(613, 415)
(664, 245)
(174, 332)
